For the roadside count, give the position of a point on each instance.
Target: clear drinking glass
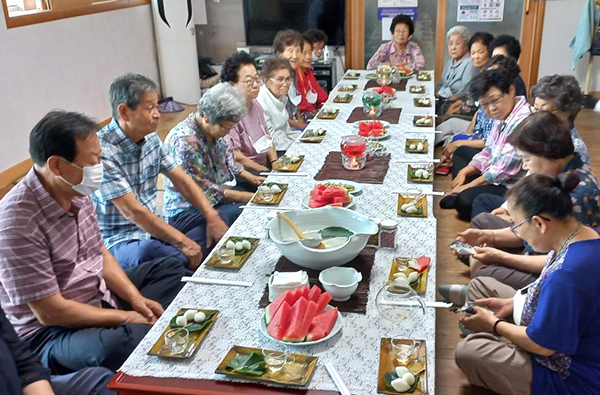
(276, 360)
(284, 162)
(226, 254)
(354, 152)
(403, 349)
(266, 194)
(177, 340)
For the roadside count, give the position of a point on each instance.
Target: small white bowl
(340, 282)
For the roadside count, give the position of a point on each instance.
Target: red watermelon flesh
(364, 127)
(304, 291)
(323, 301)
(280, 322)
(297, 317)
(274, 306)
(322, 325)
(298, 330)
(422, 263)
(320, 187)
(314, 294)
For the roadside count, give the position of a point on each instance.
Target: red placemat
(392, 115)
(357, 302)
(400, 86)
(373, 173)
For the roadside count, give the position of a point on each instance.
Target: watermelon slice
(422, 263)
(320, 187)
(280, 322)
(364, 127)
(322, 325)
(323, 301)
(314, 294)
(274, 306)
(298, 330)
(297, 317)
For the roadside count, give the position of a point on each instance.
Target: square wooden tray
(387, 363)
(238, 260)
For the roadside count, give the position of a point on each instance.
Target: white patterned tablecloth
(355, 350)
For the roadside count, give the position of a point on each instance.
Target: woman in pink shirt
(400, 52)
(250, 139)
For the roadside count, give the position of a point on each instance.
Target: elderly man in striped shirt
(59, 286)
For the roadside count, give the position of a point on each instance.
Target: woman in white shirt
(277, 78)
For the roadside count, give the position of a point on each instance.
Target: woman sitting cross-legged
(199, 147)
(544, 339)
(250, 139)
(273, 94)
(546, 147)
(497, 166)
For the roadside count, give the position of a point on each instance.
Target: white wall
(67, 64)
(560, 25)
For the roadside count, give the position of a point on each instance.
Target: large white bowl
(314, 220)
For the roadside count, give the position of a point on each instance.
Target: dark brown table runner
(358, 302)
(373, 173)
(392, 115)
(400, 86)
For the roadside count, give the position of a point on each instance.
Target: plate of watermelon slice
(301, 317)
(377, 130)
(323, 195)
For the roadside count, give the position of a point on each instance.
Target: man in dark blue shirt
(23, 374)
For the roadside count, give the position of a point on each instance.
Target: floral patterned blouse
(412, 56)
(209, 164)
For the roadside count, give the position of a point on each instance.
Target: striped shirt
(498, 161)
(128, 167)
(45, 250)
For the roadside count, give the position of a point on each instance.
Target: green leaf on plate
(192, 327)
(335, 231)
(389, 377)
(251, 364)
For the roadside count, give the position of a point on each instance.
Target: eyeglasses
(514, 228)
(282, 81)
(491, 102)
(252, 80)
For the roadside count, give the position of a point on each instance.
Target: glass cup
(177, 340)
(226, 254)
(403, 349)
(266, 194)
(354, 152)
(276, 360)
(284, 162)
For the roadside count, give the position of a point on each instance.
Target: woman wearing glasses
(497, 166)
(546, 147)
(273, 94)
(545, 338)
(400, 52)
(250, 139)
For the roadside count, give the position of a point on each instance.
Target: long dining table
(355, 350)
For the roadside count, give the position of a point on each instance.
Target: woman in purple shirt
(249, 139)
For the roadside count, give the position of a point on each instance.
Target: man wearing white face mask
(59, 286)
(250, 139)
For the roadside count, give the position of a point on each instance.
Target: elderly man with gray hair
(133, 156)
(199, 147)
(458, 70)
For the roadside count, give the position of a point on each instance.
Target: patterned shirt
(412, 56)
(209, 164)
(456, 77)
(586, 197)
(483, 126)
(45, 250)
(129, 167)
(580, 146)
(498, 161)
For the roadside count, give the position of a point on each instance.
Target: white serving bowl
(340, 282)
(314, 220)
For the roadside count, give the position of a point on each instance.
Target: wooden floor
(449, 379)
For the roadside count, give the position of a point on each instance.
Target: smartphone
(443, 170)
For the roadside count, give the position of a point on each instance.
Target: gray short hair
(128, 88)
(222, 102)
(461, 30)
(563, 90)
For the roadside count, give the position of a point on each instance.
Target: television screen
(264, 18)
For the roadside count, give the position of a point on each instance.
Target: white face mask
(91, 181)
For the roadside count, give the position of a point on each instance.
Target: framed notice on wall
(480, 11)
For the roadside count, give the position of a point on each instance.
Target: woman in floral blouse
(199, 147)
(400, 51)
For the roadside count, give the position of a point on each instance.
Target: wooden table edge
(124, 384)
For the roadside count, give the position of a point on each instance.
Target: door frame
(531, 37)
